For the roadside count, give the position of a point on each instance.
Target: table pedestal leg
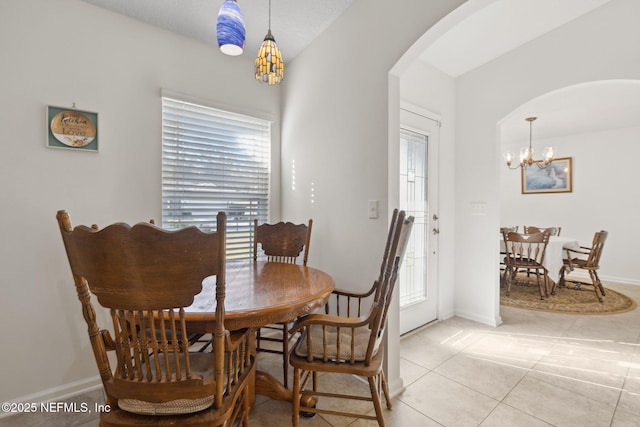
(268, 385)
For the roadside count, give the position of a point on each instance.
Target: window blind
(214, 160)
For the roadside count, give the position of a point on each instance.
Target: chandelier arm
(542, 167)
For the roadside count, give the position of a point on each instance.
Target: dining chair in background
(525, 252)
(133, 271)
(530, 229)
(553, 231)
(280, 242)
(586, 258)
(349, 345)
(503, 254)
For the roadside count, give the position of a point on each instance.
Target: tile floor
(536, 369)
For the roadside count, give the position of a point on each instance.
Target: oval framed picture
(72, 128)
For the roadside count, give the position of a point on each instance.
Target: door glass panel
(413, 199)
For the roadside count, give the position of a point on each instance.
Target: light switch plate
(478, 208)
(373, 209)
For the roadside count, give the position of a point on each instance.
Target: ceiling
(494, 30)
(294, 23)
(501, 26)
(504, 25)
(584, 108)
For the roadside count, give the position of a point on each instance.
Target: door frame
(410, 118)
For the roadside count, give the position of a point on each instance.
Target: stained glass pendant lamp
(230, 28)
(269, 64)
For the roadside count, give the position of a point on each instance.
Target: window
(213, 161)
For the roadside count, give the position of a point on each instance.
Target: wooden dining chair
(349, 345)
(553, 231)
(530, 229)
(133, 271)
(503, 254)
(586, 258)
(525, 252)
(281, 242)
(194, 338)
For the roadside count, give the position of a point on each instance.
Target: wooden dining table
(260, 293)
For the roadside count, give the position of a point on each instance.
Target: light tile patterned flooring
(536, 369)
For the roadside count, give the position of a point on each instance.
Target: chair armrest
(348, 300)
(345, 293)
(108, 341)
(333, 338)
(585, 250)
(328, 320)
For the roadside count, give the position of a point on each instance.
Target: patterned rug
(526, 294)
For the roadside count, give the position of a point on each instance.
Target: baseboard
(396, 386)
(584, 276)
(444, 315)
(491, 321)
(59, 393)
(621, 280)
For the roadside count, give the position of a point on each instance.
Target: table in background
(553, 257)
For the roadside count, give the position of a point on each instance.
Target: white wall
(335, 129)
(603, 197)
(57, 53)
(600, 45)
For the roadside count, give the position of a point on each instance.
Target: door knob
(435, 231)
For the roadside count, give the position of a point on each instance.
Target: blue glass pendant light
(230, 28)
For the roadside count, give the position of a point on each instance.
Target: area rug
(526, 294)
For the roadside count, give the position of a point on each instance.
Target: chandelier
(269, 64)
(526, 153)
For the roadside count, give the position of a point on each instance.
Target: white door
(417, 281)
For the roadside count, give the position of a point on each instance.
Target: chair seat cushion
(201, 364)
(361, 340)
(172, 407)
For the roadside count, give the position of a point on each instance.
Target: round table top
(259, 293)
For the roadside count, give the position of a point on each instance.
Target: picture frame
(555, 178)
(72, 129)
